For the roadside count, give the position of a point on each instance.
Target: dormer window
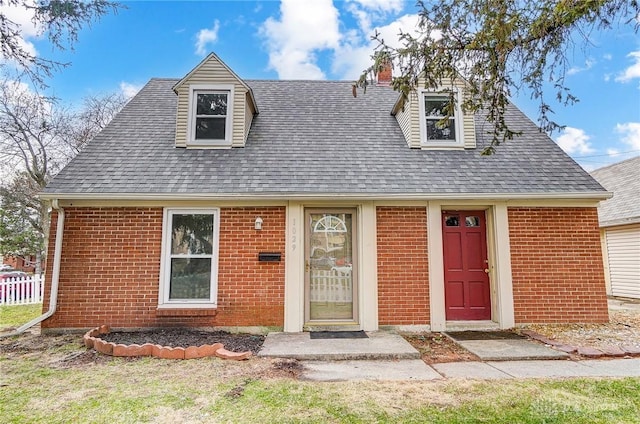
(435, 130)
(210, 115)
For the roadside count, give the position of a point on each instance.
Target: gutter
(55, 275)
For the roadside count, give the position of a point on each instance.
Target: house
(25, 263)
(213, 201)
(619, 219)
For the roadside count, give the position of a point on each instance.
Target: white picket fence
(333, 286)
(22, 291)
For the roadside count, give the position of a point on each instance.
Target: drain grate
(483, 335)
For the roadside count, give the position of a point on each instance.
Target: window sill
(186, 312)
(442, 146)
(209, 144)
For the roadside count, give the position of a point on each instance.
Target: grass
(42, 383)
(16, 315)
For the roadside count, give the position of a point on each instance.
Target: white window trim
(459, 125)
(191, 128)
(165, 261)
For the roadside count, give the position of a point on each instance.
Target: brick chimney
(385, 73)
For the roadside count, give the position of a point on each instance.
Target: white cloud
(574, 140)
(206, 36)
(23, 18)
(129, 90)
(577, 69)
(355, 55)
(632, 71)
(630, 134)
(306, 30)
(381, 5)
(303, 29)
(613, 152)
(607, 56)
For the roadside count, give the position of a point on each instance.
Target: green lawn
(56, 380)
(15, 316)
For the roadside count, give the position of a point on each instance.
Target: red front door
(467, 295)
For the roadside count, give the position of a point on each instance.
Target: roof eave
(592, 195)
(620, 221)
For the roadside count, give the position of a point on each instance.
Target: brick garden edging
(589, 352)
(92, 340)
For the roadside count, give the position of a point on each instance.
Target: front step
(379, 346)
(472, 326)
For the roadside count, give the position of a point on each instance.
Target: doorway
(330, 266)
(466, 266)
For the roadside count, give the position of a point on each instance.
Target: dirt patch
(27, 342)
(623, 329)
(184, 337)
(436, 348)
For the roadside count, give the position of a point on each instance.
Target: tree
(498, 47)
(60, 20)
(22, 230)
(37, 138)
(96, 112)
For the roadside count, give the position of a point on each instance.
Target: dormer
(421, 113)
(215, 107)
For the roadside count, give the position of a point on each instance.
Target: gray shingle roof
(311, 138)
(623, 179)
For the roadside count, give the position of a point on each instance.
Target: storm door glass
(330, 266)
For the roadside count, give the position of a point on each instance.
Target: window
(190, 258)
(210, 114)
(436, 130)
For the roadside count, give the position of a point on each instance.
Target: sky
(326, 39)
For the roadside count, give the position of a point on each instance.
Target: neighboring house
(211, 201)
(21, 263)
(620, 227)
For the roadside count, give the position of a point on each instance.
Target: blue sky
(325, 39)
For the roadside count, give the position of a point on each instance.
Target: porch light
(258, 223)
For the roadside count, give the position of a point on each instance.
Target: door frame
(367, 281)
(354, 268)
(498, 252)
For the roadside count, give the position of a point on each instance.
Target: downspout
(55, 275)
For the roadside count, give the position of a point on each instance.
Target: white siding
(409, 122)
(213, 72)
(248, 116)
(409, 119)
(623, 255)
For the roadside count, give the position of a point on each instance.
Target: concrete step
(378, 346)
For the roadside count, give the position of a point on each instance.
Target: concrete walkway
(504, 349)
(417, 370)
(388, 356)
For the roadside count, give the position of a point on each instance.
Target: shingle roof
(311, 138)
(623, 179)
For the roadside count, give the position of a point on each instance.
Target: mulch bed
(184, 337)
(437, 348)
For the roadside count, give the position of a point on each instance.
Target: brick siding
(111, 266)
(403, 275)
(556, 260)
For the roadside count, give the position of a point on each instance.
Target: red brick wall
(111, 265)
(403, 275)
(557, 267)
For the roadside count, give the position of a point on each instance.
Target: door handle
(486, 270)
(306, 266)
